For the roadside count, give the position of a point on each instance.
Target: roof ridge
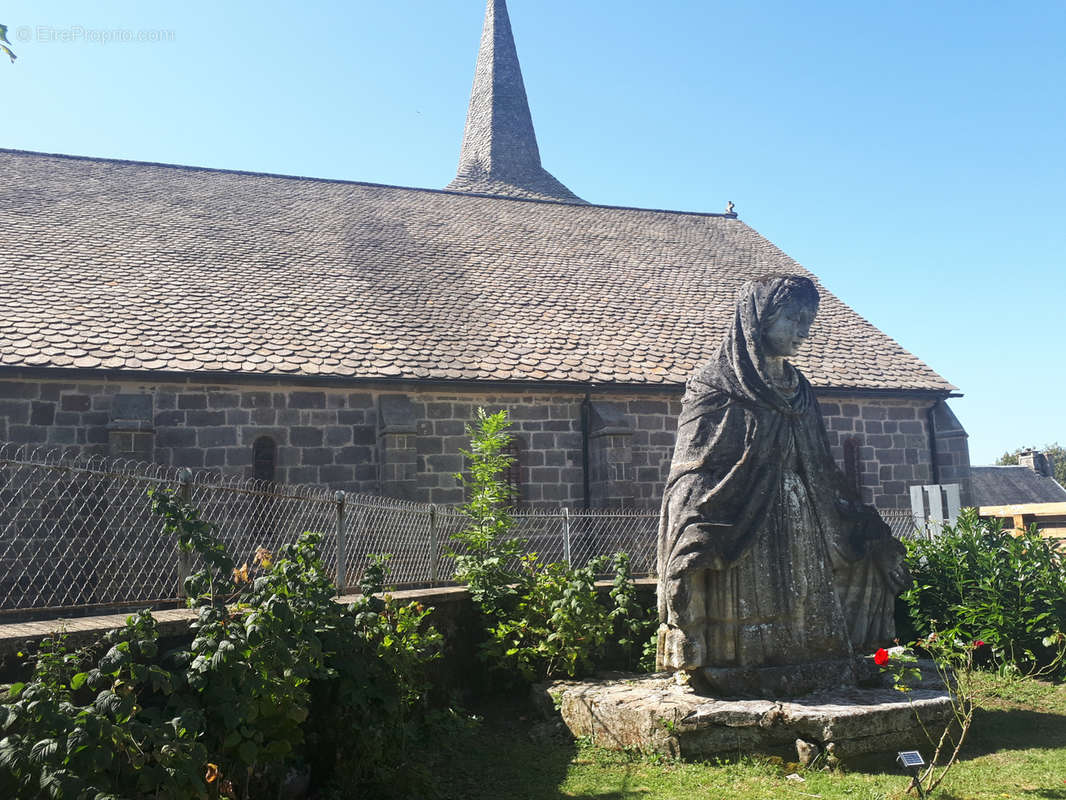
(374, 184)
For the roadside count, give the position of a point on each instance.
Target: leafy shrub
(543, 620)
(562, 624)
(102, 733)
(633, 641)
(557, 624)
(990, 585)
(280, 683)
(487, 558)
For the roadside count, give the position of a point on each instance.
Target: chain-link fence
(904, 525)
(80, 532)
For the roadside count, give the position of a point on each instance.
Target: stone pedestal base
(791, 681)
(654, 713)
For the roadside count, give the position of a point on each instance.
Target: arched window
(852, 468)
(264, 458)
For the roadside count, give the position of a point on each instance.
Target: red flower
(977, 644)
(881, 657)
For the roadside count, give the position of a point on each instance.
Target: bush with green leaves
(106, 732)
(561, 624)
(989, 585)
(542, 619)
(279, 681)
(487, 556)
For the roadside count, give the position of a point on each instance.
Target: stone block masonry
(379, 439)
(889, 437)
(323, 436)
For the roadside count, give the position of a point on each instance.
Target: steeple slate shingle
(499, 154)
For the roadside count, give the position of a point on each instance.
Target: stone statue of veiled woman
(772, 573)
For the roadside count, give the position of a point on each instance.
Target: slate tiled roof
(1001, 486)
(129, 266)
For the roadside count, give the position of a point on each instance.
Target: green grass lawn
(1017, 749)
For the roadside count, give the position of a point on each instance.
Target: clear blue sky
(911, 154)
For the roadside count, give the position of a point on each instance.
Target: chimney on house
(1038, 462)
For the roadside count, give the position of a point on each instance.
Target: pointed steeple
(499, 154)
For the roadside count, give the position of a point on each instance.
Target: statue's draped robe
(766, 554)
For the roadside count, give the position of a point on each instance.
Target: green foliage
(990, 585)
(980, 596)
(561, 624)
(1008, 459)
(108, 731)
(557, 625)
(4, 42)
(373, 712)
(279, 678)
(543, 620)
(486, 556)
(634, 624)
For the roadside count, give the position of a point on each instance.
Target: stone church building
(318, 331)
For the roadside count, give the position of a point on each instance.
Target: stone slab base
(656, 713)
(791, 681)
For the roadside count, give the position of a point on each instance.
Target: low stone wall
(652, 713)
(454, 615)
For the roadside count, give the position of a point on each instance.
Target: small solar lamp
(912, 761)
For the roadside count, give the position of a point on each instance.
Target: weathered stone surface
(500, 154)
(773, 572)
(656, 713)
(792, 680)
(807, 752)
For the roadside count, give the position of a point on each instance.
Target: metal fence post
(434, 544)
(566, 534)
(184, 558)
(342, 545)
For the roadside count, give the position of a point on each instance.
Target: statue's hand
(888, 555)
(866, 522)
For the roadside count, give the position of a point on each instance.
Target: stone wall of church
(882, 442)
(407, 443)
(374, 440)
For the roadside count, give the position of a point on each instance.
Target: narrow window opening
(851, 463)
(264, 459)
(513, 475)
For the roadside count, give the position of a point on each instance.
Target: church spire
(499, 154)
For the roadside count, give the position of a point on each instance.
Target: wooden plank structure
(1049, 518)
